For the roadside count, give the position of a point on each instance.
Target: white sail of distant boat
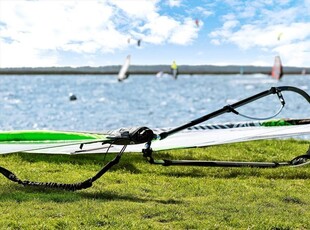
(277, 69)
(122, 75)
(160, 74)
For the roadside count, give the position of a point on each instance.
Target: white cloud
(307, 6)
(248, 12)
(161, 29)
(185, 33)
(226, 31)
(158, 28)
(23, 56)
(175, 3)
(280, 16)
(204, 11)
(216, 42)
(260, 27)
(136, 8)
(250, 36)
(36, 27)
(37, 33)
(289, 55)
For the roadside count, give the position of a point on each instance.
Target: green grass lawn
(137, 195)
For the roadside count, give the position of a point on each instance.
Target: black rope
(72, 186)
(124, 136)
(230, 108)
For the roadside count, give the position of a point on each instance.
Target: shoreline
(154, 69)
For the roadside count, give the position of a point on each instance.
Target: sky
(46, 33)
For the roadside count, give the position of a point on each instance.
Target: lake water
(103, 103)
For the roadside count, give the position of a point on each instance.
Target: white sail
(122, 75)
(277, 69)
(185, 139)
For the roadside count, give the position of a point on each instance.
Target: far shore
(154, 69)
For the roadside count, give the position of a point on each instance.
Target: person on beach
(174, 70)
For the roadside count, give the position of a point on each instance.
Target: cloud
(40, 26)
(250, 36)
(259, 27)
(23, 56)
(39, 33)
(289, 54)
(174, 3)
(226, 32)
(31, 28)
(139, 9)
(161, 29)
(205, 12)
(184, 34)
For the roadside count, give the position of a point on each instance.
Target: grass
(137, 195)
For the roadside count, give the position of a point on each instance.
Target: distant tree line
(153, 69)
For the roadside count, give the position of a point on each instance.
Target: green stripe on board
(279, 122)
(286, 122)
(41, 135)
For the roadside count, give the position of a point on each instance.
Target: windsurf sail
(277, 69)
(148, 140)
(160, 74)
(61, 142)
(123, 73)
(24, 140)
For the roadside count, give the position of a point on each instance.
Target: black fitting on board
(229, 109)
(131, 136)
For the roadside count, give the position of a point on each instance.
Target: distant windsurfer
(139, 42)
(174, 70)
(277, 69)
(123, 73)
(126, 76)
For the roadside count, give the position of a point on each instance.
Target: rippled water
(42, 101)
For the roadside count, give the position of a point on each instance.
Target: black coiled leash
(119, 137)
